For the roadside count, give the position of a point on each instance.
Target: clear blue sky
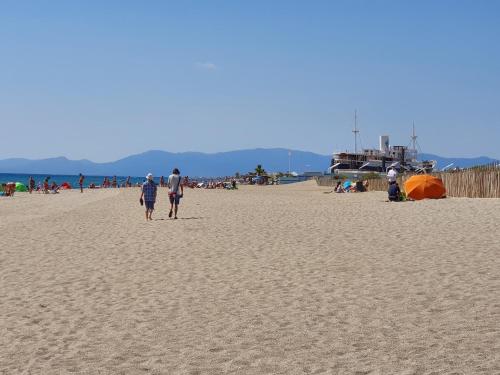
(105, 79)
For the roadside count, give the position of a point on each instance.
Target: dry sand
(263, 280)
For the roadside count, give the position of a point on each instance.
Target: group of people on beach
(107, 183)
(112, 183)
(44, 187)
(149, 192)
(351, 187)
(47, 187)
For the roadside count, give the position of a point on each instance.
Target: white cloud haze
(205, 65)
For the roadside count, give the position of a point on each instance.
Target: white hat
(149, 176)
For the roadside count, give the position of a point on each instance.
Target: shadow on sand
(180, 218)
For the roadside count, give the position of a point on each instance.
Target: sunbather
(339, 188)
(54, 188)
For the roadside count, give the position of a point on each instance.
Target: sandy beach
(262, 280)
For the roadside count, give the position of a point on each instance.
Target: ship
(402, 158)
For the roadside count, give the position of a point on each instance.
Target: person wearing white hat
(148, 192)
(392, 175)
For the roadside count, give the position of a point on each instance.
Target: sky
(101, 80)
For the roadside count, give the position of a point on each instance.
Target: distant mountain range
(199, 164)
(457, 162)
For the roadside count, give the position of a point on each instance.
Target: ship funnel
(384, 143)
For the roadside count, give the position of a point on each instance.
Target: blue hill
(198, 164)
(457, 162)
(162, 162)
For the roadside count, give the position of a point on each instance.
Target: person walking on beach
(31, 184)
(148, 192)
(80, 182)
(46, 185)
(176, 191)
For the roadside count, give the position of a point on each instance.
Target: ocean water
(71, 179)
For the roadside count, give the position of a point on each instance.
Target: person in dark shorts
(148, 192)
(394, 192)
(175, 192)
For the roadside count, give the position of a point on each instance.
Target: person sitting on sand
(54, 189)
(148, 191)
(174, 195)
(339, 188)
(9, 189)
(394, 192)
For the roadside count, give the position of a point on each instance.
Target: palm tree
(259, 170)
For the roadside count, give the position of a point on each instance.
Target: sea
(71, 179)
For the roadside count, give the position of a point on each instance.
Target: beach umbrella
(347, 184)
(66, 185)
(21, 187)
(424, 186)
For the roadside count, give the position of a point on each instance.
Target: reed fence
(476, 182)
(329, 180)
(470, 183)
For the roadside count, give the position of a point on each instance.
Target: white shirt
(391, 175)
(174, 183)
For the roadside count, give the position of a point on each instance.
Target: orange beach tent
(424, 186)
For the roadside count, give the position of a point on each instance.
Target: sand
(263, 280)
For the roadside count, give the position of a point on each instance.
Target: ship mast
(355, 131)
(414, 142)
